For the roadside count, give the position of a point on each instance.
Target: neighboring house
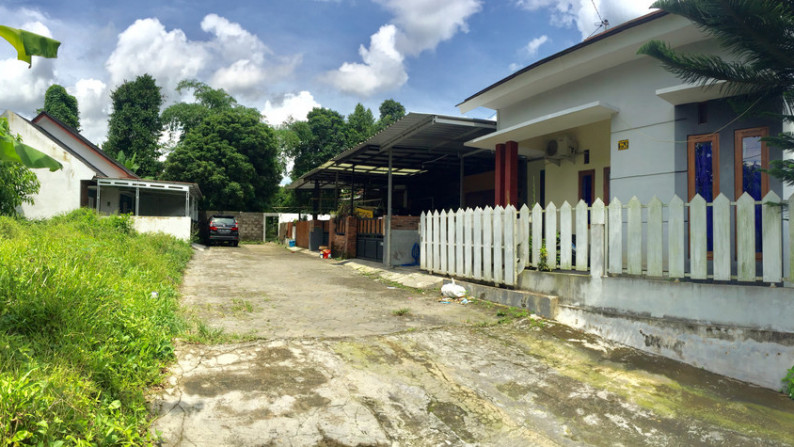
(702, 274)
(90, 178)
(597, 120)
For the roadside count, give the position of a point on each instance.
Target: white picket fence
(496, 245)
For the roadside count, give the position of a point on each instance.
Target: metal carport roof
(418, 142)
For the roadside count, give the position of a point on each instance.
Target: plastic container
(291, 242)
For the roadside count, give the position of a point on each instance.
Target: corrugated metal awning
(418, 142)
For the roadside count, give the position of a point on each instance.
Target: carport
(421, 159)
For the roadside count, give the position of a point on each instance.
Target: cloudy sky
(286, 56)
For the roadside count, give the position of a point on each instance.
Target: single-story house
(597, 120)
(655, 193)
(90, 178)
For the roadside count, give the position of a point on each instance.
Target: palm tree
(761, 34)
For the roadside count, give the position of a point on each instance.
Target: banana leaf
(29, 44)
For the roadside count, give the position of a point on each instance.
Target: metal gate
(369, 240)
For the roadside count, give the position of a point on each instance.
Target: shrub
(81, 336)
(788, 383)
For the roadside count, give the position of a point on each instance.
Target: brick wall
(405, 223)
(343, 245)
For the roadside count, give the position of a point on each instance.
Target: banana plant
(12, 149)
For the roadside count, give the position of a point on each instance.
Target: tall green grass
(81, 335)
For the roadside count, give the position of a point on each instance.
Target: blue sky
(285, 57)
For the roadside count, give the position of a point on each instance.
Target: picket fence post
(487, 244)
(721, 212)
(634, 242)
(676, 253)
(772, 238)
(566, 238)
(582, 246)
(745, 238)
(655, 252)
(597, 239)
(615, 237)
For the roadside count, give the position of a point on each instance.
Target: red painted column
(511, 173)
(499, 177)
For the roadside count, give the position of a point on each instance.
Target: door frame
(715, 163)
(582, 174)
(738, 157)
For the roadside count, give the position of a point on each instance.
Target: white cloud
(290, 106)
(424, 24)
(418, 25)
(382, 68)
(534, 45)
(92, 99)
(583, 15)
(146, 47)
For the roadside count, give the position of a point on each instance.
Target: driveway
(333, 363)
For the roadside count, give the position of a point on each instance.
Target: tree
(323, 135)
(390, 111)
(361, 124)
(181, 117)
(760, 33)
(17, 186)
(233, 156)
(134, 125)
(59, 104)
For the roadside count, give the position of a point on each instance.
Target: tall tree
(361, 124)
(390, 111)
(135, 126)
(233, 156)
(183, 116)
(760, 35)
(60, 104)
(323, 135)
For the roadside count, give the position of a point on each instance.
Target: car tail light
(234, 228)
(213, 228)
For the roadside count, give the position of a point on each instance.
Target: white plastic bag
(452, 290)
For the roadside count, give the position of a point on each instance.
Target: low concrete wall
(402, 243)
(179, 227)
(745, 332)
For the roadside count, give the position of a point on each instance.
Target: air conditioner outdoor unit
(562, 147)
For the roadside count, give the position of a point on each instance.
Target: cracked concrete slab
(334, 367)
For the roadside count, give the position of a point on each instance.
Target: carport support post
(462, 162)
(387, 248)
(187, 203)
(98, 197)
(137, 200)
(315, 202)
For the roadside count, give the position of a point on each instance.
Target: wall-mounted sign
(623, 145)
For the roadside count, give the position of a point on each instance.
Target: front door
(704, 174)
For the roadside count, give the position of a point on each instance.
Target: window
(751, 157)
(703, 156)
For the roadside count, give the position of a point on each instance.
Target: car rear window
(222, 220)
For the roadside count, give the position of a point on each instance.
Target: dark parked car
(224, 229)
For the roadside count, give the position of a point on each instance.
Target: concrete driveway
(333, 364)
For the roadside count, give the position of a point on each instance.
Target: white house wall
(69, 140)
(649, 166)
(60, 190)
(562, 182)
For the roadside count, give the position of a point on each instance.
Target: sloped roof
(85, 144)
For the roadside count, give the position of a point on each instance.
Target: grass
(403, 312)
(81, 336)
